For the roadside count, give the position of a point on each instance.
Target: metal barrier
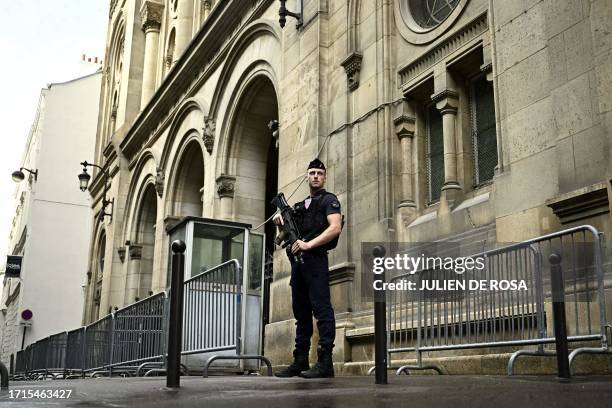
(215, 319)
(98, 343)
(75, 351)
(211, 317)
(445, 319)
(138, 334)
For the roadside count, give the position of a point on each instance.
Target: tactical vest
(312, 221)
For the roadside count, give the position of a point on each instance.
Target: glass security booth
(222, 313)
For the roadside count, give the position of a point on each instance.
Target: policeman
(320, 222)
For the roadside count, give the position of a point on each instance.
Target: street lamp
(84, 178)
(283, 13)
(18, 175)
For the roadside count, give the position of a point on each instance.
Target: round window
(422, 21)
(430, 13)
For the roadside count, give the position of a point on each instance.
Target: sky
(41, 42)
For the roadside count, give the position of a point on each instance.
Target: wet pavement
(352, 392)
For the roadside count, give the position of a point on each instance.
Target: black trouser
(310, 296)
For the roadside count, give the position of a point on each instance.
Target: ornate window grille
(435, 154)
(484, 140)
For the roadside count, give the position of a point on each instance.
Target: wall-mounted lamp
(84, 178)
(283, 13)
(18, 175)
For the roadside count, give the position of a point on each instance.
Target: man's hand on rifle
(278, 219)
(300, 245)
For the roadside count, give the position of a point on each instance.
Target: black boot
(324, 368)
(300, 363)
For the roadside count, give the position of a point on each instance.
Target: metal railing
(98, 338)
(75, 351)
(139, 333)
(444, 318)
(211, 319)
(135, 337)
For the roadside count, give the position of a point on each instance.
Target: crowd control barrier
(437, 320)
(222, 316)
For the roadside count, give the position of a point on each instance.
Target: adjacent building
(480, 120)
(52, 222)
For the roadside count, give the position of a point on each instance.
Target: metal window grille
(484, 140)
(435, 154)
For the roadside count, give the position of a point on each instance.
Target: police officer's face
(316, 178)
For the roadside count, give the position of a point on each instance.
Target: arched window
(101, 256)
(170, 50)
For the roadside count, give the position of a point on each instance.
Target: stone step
(489, 364)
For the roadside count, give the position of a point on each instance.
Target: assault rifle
(288, 232)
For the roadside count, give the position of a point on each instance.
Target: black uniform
(310, 280)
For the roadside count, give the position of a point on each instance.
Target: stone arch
(96, 272)
(186, 179)
(248, 152)
(244, 187)
(116, 46)
(141, 231)
(188, 106)
(141, 249)
(354, 12)
(186, 182)
(248, 34)
(145, 167)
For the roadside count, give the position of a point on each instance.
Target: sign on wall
(13, 266)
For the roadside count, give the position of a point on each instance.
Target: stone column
(151, 15)
(447, 102)
(184, 26)
(225, 189)
(404, 129)
(133, 273)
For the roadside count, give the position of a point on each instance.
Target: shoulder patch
(335, 204)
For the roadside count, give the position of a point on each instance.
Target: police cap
(316, 164)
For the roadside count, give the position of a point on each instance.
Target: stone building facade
(472, 119)
(49, 204)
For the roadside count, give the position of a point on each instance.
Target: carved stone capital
(404, 126)
(121, 252)
(447, 101)
(208, 134)
(225, 185)
(159, 182)
(151, 15)
(352, 66)
(135, 251)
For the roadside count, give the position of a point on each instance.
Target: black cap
(316, 164)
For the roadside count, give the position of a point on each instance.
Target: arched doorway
(253, 160)
(97, 277)
(187, 197)
(142, 248)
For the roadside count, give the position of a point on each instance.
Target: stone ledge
(490, 364)
(579, 204)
